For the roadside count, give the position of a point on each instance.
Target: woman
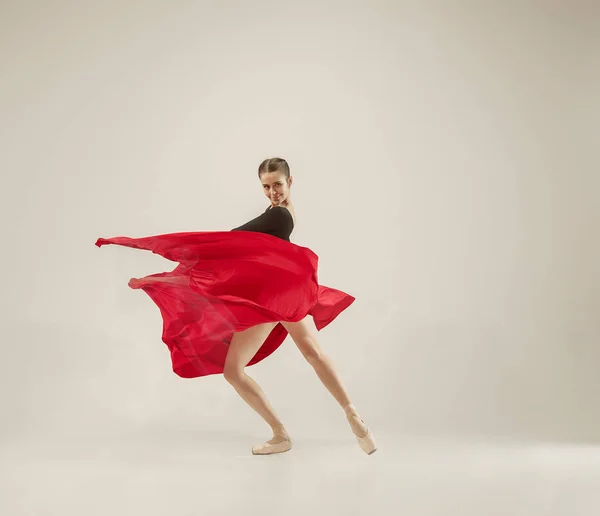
(236, 295)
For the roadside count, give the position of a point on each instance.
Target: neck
(284, 204)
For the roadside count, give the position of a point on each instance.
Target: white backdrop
(445, 173)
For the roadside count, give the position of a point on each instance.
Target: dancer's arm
(275, 221)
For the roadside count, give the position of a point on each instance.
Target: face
(276, 187)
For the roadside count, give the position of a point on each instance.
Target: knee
(233, 375)
(313, 355)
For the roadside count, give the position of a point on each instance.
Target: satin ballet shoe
(269, 448)
(280, 443)
(363, 435)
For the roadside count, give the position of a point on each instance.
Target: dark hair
(274, 165)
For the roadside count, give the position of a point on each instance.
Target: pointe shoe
(363, 435)
(279, 444)
(269, 448)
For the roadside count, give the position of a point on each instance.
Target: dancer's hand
(135, 283)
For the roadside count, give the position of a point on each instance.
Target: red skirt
(226, 282)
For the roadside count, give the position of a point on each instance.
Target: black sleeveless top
(276, 221)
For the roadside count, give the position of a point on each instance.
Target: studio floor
(219, 476)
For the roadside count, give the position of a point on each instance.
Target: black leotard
(276, 221)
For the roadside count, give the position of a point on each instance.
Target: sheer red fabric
(228, 281)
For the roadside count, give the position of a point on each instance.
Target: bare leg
(323, 366)
(306, 341)
(305, 338)
(242, 348)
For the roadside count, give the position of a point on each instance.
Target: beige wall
(445, 173)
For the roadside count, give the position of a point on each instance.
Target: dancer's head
(274, 175)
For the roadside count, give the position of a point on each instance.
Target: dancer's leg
(242, 348)
(304, 337)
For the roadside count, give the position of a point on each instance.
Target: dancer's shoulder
(280, 213)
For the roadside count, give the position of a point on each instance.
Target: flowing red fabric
(226, 282)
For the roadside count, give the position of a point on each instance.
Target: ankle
(279, 429)
(350, 410)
